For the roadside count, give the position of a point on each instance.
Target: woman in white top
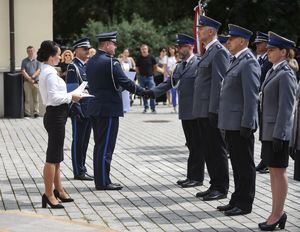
(56, 99)
(171, 64)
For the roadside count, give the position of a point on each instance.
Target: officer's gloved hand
(246, 132)
(148, 93)
(277, 145)
(213, 119)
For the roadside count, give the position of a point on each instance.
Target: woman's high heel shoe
(65, 200)
(46, 201)
(281, 224)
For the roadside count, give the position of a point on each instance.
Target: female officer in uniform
(278, 92)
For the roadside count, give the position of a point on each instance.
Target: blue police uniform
(183, 78)
(211, 71)
(223, 38)
(238, 117)
(81, 124)
(106, 80)
(265, 65)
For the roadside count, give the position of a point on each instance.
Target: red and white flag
(198, 47)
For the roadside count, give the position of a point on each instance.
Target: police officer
(81, 125)
(106, 80)
(183, 79)
(262, 58)
(223, 40)
(238, 117)
(211, 70)
(278, 92)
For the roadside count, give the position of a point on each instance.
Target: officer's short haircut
(29, 47)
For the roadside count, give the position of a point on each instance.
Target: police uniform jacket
(239, 94)
(185, 78)
(265, 65)
(278, 91)
(105, 75)
(76, 74)
(211, 70)
(295, 139)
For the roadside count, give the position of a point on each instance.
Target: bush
(139, 31)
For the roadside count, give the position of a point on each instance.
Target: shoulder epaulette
(219, 46)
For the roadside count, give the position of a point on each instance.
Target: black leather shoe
(264, 170)
(281, 224)
(225, 207)
(46, 201)
(65, 200)
(116, 184)
(180, 182)
(202, 194)
(88, 175)
(83, 176)
(236, 211)
(214, 195)
(109, 187)
(260, 166)
(191, 183)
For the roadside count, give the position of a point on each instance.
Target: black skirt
(55, 120)
(275, 159)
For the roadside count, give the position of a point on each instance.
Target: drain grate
(157, 121)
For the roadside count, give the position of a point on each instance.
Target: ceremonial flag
(198, 48)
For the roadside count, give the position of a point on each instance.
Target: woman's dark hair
(48, 48)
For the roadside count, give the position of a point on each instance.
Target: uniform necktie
(260, 60)
(184, 64)
(233, 59)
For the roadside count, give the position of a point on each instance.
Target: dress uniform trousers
(105, 136)
(195, 165)
(241, 155)
(214, 148)
(81, 135)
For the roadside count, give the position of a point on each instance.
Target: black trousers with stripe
(105, 136)
(81, 131)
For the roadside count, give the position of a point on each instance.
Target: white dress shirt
(53, 89)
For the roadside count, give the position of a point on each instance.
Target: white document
(80, 88)
(86, 95)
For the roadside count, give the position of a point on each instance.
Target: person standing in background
(31, 69)
(146, 65)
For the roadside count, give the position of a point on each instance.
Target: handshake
(148, 93)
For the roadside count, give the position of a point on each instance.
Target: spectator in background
(66, 58)
(145, 66)
(128, 60)
(159, 75)
(31, 69)
(293, 63)
(171, 64)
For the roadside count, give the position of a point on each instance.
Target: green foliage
(137, 32)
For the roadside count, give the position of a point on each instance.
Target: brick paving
(149, 158)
